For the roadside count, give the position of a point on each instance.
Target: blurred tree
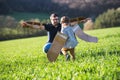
(73, 8)
(111, 18)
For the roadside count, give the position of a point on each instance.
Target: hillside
(67, 7)
(23, 59)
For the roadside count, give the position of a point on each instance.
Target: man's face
(54, 20)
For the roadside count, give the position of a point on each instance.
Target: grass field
(23, 59)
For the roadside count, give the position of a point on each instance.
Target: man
(52, 29)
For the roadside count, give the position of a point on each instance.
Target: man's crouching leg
(46, 47)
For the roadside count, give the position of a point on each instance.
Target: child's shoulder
(69, 27)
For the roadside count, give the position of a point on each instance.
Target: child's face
(64, 25)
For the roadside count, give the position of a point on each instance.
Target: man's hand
(25, 24)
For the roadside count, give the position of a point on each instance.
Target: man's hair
(65, 19)
(53, 15)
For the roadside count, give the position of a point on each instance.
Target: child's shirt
(71, 41)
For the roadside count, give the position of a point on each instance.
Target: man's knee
(46, 47)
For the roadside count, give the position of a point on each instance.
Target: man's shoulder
(59, 24)
(48, 24)
(51, 24)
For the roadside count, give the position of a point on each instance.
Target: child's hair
(65, 19)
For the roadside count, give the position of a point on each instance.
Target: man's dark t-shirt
(52, 31)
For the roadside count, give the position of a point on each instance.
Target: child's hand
(88, 19)
(73, 23)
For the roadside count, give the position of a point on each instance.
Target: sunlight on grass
(23, 59)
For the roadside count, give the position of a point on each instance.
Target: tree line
(104, 12)
(73, 8)
(110, 18)
(11, 29)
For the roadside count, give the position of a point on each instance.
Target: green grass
(23, 59)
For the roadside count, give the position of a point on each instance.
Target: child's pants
(65, 50)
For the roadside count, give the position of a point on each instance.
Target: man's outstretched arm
(32, 25)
